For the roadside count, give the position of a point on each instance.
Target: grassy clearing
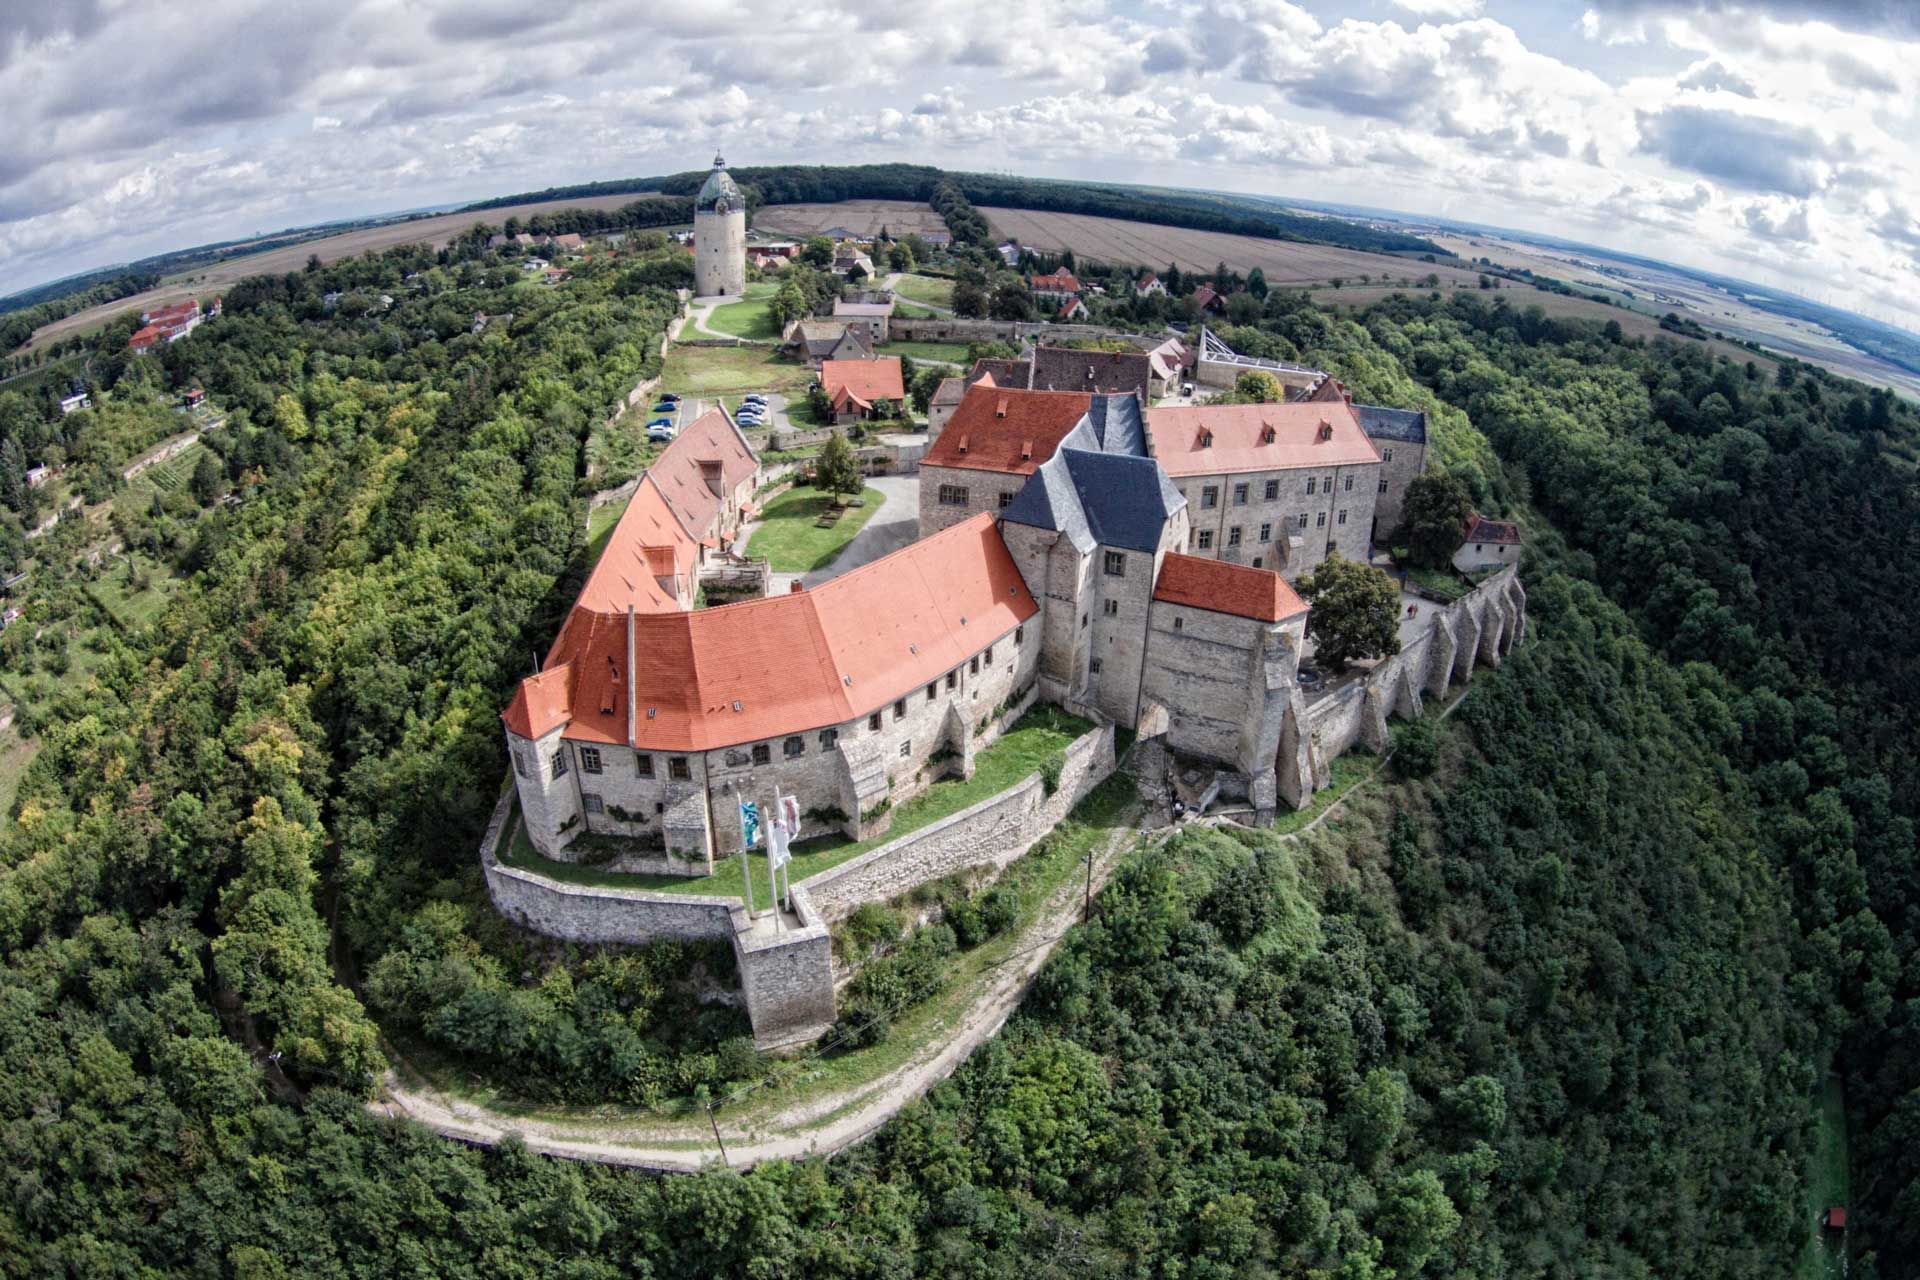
(135, 603)
(1347, 772)
(750, 319)
(1440, 582)
(714, 371)
(790, 537)
(1825, 1257)
(925, 289)
(908, 311)
(16, 753)
(951, 352)
(600, 522)
(1040, 737)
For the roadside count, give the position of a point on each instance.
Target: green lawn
(600, 524)
(1042, 735)
(714, 371)
(951, 352)
(1825, 1256)
(908, 311)
(750, 319)
(925, 289)
(792, 542)
(132, 607)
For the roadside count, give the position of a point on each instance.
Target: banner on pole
(778, 836)
(749, 824)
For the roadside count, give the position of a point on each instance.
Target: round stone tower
(719, 236)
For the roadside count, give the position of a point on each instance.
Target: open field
(1635, 324)
(862, 217)
(1659, 291)
(949, 352)
(211, 280)
(134, 604)
(925, 289)
(1285, 262)
(712, 371)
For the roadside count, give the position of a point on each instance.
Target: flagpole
(773, 886)
(746, 867)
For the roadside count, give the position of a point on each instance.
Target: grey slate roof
(1067, 369)
(1409, 425)
(1117, 425)
(718, 192)
(1098, 499)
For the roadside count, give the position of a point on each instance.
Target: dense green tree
(1355, 614)
(836, 470)
(1435, 514)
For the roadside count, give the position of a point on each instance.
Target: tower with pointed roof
(719, 235)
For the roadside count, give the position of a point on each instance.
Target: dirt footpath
(816, 1126)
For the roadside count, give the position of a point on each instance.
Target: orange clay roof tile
(1240, 590)
(1237, 432)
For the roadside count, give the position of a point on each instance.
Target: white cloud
(1447, 9)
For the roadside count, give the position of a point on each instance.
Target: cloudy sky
(1778, 141)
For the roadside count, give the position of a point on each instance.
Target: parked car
(665, 407)
(660, 435)
(753, 398)
(668, 397)
(660, 422)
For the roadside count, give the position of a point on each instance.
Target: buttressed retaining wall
(1479, 628)
(786, 973)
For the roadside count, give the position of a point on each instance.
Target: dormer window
(1266, 433)
(963, 443)
(1000, 410)
(1026, 451)
(1326, 430)
(1206, 439)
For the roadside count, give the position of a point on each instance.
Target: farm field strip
(862, 217)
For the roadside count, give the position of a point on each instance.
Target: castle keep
(719, 235)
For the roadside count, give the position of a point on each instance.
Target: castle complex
(719, 236)
(1121, 562)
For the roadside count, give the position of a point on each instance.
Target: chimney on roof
(710, 472)
(963, 444)
(1000, 410)
(795, 587)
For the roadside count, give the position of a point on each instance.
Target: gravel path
(815, 1126)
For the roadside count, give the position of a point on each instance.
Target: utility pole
(716, 1137)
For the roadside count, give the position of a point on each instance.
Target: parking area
(690, 408)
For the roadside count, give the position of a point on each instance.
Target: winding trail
(813, 1126)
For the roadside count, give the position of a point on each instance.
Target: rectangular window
(987, 657)
(519, 764)
(1006, 499)
(1205, 540)
(975, 667)
(1310, 483)
(953, 678)
(1240, 495)
(1303, 519)
(1210, 497)
(1273, 490)
(1348, 486)
(1343, 515)
(906, 748)
(1115, 563)
(677, 769)
(829, 739)
(873, 722)
(1386, 455)
(900, 709)
(933, 691)
(1111, 608)
(762, 753)
(953, 495)
(1179, 624)
(1383, 484)
(1019, 636)
(643, 764)
(1093, 667)
(1233, 536)
(1266, 533)
(560, 762)
(1256, 562)
(794, 746)
(1329, 484)
(1320, 520)
(592, 802)
(590, 759)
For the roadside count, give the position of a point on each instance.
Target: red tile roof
(1006, 429)
(1218, 439)
(1227, 588)
(865, 380)
(788, 663)
(1481, 529)
(682, 479)
(1058, 282)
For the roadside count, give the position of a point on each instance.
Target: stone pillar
(1293, 764)
(1443, 649)
(1517, 595)
(1495, 628)
(1373, 720)
(959, 733)
(1468, 631)
(1406, 693)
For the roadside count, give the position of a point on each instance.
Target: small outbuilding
(1489, 543)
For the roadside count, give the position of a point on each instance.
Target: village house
(1489, 544)
(946, 398)
(849, 257)
(817, 340)
(1149, 286)
(857, 388)
(1055, 287)
(75, 402)
(1209, 299)
(1072, 307)
(874, 314)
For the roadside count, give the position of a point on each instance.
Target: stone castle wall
(992, 833)
(1480, 628)
(954, 329)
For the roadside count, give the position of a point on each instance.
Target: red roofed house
(1207, 298)
(1489, 543)
(169, 323)
(994, 440)
(855, 388)
(1072, 307)
(1055, 288)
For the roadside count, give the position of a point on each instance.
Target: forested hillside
(1559, 1006)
